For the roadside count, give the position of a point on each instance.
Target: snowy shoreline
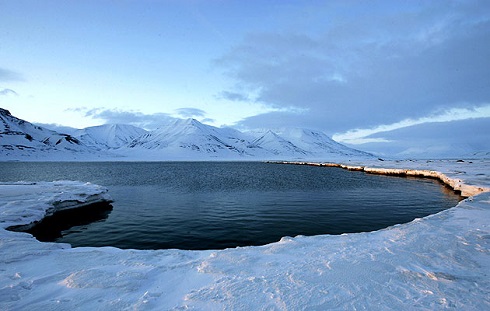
(25, 203)
(456, 184)
(437, 262)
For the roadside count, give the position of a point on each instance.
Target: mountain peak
(271, 133)
(191, 121)
(187, 125)
(110, 135)
(23, 140)
(5, 112)
(176, 140)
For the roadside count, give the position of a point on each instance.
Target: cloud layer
(397, 61)
(458, 138)
(7, 75)
(116, 116)
(6, 92)
(357, 136)
(190, 112)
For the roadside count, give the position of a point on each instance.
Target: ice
(437, 262)
(23, 203)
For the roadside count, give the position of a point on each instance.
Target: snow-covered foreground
(438, 262)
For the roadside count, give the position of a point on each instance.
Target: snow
(437, 262)
(23, 203)
(192, 140)
(273, 142)
(109, 135)
(467, 177)
(21, 140)
(187, 140)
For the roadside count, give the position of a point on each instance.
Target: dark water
(214, 205)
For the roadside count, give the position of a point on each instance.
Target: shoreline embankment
(458, 185)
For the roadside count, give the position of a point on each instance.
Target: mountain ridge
(109, 135)
(182, 139)
(18, 134)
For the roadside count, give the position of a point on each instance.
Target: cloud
(9, 75)
(116, 116)
(190, 112)
(458, 138)
(78, 109)
(360, 136)
(58, 128)
(6, 92)
(271, 120)
(401, 60)
(233, 96)
(207, 120)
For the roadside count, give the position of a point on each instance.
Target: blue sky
(360, 71)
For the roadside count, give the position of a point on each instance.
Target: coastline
(458, 185)
(436, 262)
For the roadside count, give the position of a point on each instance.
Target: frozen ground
(437, 262)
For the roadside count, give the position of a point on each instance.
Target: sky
(372, 74)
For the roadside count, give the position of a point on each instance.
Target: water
(215, 205)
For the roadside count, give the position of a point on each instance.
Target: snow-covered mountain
(276, 145)
(179, 140)
(317, 143)
(20, 139)
(191, 136)
(109, 135)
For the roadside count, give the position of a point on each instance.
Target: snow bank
(457, 170)
(24, 203)
(438, 262)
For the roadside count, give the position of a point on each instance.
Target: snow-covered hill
(109, 135)
(190, 137)
(21, 140)
(178, 140)
(276, 145)
(317, 143)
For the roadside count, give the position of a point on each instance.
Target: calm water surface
(214, 205)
